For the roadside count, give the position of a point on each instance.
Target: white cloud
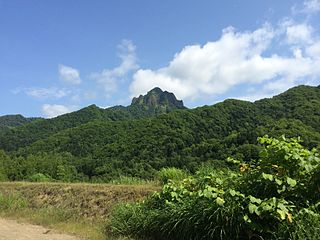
(299, 33)
(314, 50)
(236, 58)
(44, 93)
(307, 7)
(51, 111)
(69, 75)
(311, 6)
(108, 78)
(254, 97)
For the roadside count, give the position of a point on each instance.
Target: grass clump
(128, 180)
(274, 197)
(12, 202)
(171, 174)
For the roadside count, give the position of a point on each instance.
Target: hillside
(43, 128)
(10, 121)
(99, 148)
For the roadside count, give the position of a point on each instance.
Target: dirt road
(12, 230)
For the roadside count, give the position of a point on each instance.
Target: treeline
(10, 121)
(98, 145)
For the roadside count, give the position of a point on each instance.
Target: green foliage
(25, 134)
(12, 201)
(126, 180)
(10, 121)
(3, 160)
(99, 145)
(39, 177)
(306, 225)
(3, 177)
(66, 173)
(171, 174)
(274, 197)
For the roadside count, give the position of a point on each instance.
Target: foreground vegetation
(81, 209)
(275, 197)
(265, 190)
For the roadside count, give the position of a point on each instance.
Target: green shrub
(173, 174)
(275, 197)
(39, 177)
(3, 177)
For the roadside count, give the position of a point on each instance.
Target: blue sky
(59, 56)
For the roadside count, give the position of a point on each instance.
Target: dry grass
(81, 209)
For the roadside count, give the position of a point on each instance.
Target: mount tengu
(137, 140)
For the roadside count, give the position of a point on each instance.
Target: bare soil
(13, 230)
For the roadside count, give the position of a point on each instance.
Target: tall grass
(12, 202)
(170, 173)
(128, 180)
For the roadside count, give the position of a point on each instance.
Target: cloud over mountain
(237, 58)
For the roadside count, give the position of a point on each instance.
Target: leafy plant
(39, 177)
(271, 198)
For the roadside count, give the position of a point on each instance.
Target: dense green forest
(155, 131)
(10, 121)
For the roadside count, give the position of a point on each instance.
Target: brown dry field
(86, 200)
(87, 205)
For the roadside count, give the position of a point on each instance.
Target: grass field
(81, 209)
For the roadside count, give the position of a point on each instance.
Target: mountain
(14, 120)
(159, 101)
(10, 121)
(155, 102)
(302, 103)
(99, 144)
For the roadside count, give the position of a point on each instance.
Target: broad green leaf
(291, 182)
(233, 192)
(254, 200)
(246, 219)
(267, 207)
(282, 214)
(278, 181)
(267, 176)
(219, 181)
(252, 208)
(220, 201)
(174, 195)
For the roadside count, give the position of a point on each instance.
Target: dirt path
(12, 230)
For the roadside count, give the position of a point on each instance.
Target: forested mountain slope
(102, 149)
(302, 103)
(10, 121)
(153, 103)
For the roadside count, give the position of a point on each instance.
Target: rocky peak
(156, 98)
